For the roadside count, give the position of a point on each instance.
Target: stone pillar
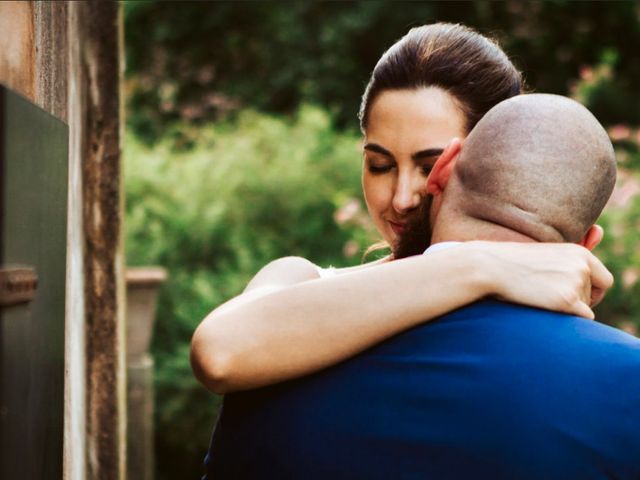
(143, 284)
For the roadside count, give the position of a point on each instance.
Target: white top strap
(326, 272)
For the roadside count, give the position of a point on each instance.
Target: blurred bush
(596, 85)
(261, 188)
(214, 203)
(246, 194)
(620, 248)
(199, 61)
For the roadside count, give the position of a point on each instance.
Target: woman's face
(406, 132)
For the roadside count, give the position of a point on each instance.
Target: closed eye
(379, 169)
(426, 169)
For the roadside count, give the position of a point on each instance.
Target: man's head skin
(536, 168)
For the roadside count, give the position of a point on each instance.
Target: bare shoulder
(283, 272)
(287, 271)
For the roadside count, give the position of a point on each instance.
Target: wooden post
(95, 61)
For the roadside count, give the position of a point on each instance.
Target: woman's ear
(592, 238)
(439, 176)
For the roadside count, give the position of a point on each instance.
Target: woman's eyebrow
(374, 147)
(427, 153)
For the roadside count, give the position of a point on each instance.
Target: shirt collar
(440, 246)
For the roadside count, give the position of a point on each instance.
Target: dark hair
(461, 61)
(468, 65)
(417, 236)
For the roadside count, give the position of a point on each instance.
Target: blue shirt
(492, 390)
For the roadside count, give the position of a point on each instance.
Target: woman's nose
(408, 193)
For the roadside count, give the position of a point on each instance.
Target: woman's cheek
(374, 191)
(379, 195)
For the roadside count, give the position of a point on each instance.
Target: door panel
(33, 218)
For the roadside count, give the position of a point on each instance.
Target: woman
(294, 318)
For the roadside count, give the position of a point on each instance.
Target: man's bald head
(540, 165)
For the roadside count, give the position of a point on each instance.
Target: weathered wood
(17, 61)
(34, 60)
(97, 63)
(51, 59)
(65, 57)
(75, 441)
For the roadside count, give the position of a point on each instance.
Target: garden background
(242, 146)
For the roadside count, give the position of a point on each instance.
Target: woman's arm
(289, 323)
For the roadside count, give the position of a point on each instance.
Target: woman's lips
(398, 228)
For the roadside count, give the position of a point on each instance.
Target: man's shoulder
(546, 330)
(537, 318)
(500, 328)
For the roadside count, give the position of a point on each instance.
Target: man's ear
(592, 238)
(441, 171)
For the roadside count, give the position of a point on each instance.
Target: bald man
(536, 168)
(493, 390)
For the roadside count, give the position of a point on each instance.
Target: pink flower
(350, 249)
(347, 212)
(619, 132)
(625, 190)
(630, 277)
(586, 73)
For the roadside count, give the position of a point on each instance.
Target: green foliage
(215, 203)
(250, 192)
(621, 218)
(600, 89)
(263, 187)
(199, 60)
(619, 249)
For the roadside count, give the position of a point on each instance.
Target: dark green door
(33, 218)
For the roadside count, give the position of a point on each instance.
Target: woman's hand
(562, 277)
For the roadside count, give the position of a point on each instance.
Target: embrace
(476, 359)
